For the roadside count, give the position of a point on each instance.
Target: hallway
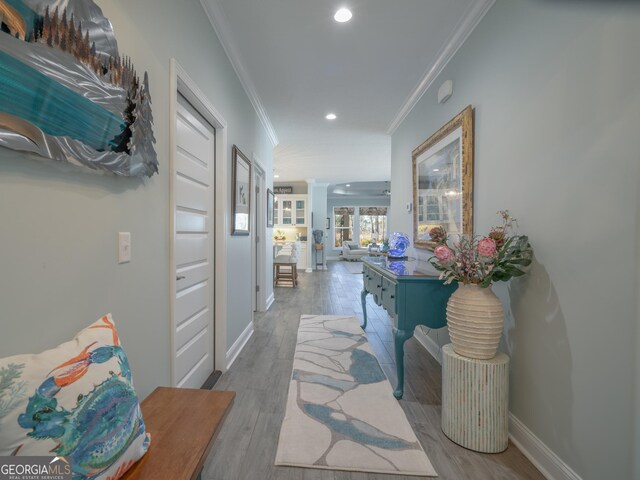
(246, 446)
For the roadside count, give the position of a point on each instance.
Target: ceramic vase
(475, 318)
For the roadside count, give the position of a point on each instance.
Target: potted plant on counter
(474, 313)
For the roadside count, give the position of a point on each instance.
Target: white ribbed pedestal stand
(475, 401)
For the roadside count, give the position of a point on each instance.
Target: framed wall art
(68, 94)
(443, 181)
(270, 208)
(241, 199)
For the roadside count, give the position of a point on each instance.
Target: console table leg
(363, 299)
(400, 337)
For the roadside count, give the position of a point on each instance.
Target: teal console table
(411, 293)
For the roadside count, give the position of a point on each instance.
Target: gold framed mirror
(443, 181)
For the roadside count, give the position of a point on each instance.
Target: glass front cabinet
(291, 211)
(287, 213)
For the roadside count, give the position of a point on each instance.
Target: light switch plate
(124, 247)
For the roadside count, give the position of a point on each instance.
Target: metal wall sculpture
(67, 94)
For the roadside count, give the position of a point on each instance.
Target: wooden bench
(183, 424)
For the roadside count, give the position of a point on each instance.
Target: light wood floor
(246, 446)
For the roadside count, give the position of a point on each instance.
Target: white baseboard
(270, 300)
(542, 457)
(309, 270)
(239, 344)
(427, 342)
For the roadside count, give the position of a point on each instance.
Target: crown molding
(220, 24)
(469, 22)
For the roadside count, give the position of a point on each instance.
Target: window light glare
(436, 169)
(348, 185)
(331, 116)
(343, 15)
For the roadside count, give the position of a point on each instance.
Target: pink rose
(487, 248)
(438, 235)
(444, 255)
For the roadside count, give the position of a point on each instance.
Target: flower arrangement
(280, 235)
(497, 257)
(438, 235)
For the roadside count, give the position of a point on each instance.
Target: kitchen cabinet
(291, 211)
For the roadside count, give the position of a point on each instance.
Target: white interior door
(257, 210)
(193, 248)
(258, 235)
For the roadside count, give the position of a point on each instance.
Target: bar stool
(285, 269)
(285, 266)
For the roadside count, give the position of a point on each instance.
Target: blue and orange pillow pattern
(75, 401)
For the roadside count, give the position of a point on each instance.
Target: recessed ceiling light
(436, 169)
(276, 176)
(343, 15)
(331, 116)
(348, 185)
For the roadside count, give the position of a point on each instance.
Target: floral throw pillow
(75, 401)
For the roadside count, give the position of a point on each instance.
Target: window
(343, 222)
(365, 225)
(373, 225)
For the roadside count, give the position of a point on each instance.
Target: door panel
(191, 222)
(192, 195)
(193, 309)
(191, 248)
(190, 168)
(190, 300)
(191, 361)
(193, 274)
(190, 328)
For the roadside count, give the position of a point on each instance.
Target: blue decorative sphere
(398, 244)
(398, 267)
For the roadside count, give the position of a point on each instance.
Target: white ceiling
(359, 190)
(297, 64)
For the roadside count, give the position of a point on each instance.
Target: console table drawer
(374, 283)
(389, 294)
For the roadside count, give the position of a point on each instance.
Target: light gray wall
(556, 88)
(58, 228)
(319, 208)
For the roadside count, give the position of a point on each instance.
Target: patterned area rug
(341, 413)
